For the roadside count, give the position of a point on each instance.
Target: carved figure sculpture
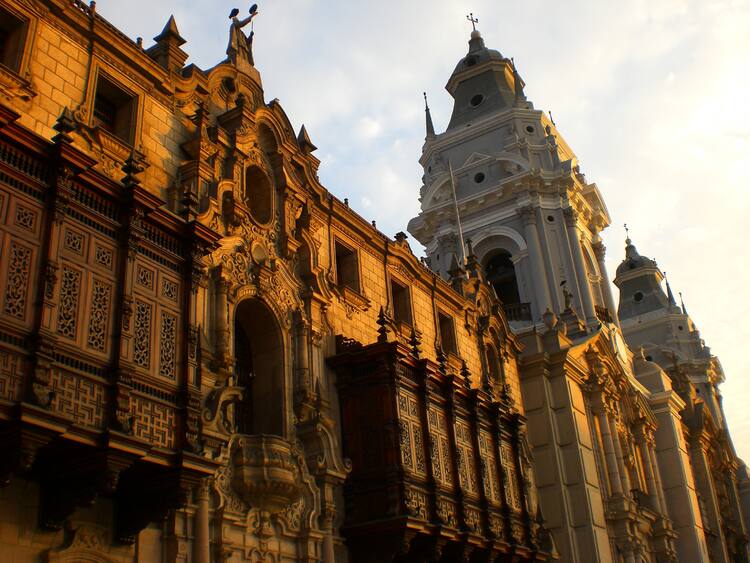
(240, 45)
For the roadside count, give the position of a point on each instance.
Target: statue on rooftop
(241, 46)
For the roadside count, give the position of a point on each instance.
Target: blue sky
(653, 95)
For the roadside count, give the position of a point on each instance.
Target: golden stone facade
(205, 356)
(179, 292)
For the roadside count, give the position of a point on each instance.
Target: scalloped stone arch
(495, 238)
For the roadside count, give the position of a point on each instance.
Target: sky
(652, 95)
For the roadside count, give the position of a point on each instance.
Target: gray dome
(633, 260)
(477, 54)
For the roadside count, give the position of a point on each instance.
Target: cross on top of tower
(473, 21)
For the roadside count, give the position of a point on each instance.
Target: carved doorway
(259, 368)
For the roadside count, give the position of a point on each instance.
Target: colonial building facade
(205, 356)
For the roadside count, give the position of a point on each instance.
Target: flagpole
(458, 217)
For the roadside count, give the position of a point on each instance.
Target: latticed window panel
(440, 452)
(410, 429)
(17, 280)
(142, 334)
(67, 312)
(101, 297)
(465, 457)
(167, 345)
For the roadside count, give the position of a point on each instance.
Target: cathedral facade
(206, 356)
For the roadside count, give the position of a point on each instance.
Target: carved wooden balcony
(518, 311)
(436, 471)
(603, 314)
(97, 396)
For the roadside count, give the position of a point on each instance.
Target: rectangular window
(347, 267)
(12, 32)
(447, 334)
(401, 302)
(114, 109)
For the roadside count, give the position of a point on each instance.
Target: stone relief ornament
(88, 544)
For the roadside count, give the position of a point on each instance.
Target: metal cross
(627, 231)
(473, 21)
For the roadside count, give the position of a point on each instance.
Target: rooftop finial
(474, 21)
(682, 304)
(428, 118)
(517, 82)
(627, 234)
(670, 295)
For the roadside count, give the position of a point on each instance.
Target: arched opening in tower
(501, 273)
(259, 369)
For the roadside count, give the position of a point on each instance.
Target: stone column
(609, 452)
(657, 476)
(620, 458)
(202, 540)
(538, 271)
(600, 251)
(221, 321)
(654, 488)
(583, 279)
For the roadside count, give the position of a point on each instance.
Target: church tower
(503, 179)
(654, 323)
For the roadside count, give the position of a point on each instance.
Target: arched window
(501, 273)
(259, 194)
(259, 368)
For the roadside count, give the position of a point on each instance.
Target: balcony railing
(603, 314)
(518, 311)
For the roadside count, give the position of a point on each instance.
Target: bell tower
(502, 178)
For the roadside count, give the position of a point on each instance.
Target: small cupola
(483, 83)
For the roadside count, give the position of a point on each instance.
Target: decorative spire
(414, 343)
(170, 32)
(465, 374)
(132, 168)
(630, 250)
(382, 323)
(303, 139)
(670, 295)
(518, 84)
(682, 304)
(428, 119)
(476, 42)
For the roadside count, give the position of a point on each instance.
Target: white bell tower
(532, 219)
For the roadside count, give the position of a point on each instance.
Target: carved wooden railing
(603, 314)
(518, 311)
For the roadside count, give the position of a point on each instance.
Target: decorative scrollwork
(142, 345)
(167, 345)
(70, 290)
(99, 317)
(17, 281)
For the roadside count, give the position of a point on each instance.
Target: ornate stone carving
(267, 473)
(217, 415)
(88, 544)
